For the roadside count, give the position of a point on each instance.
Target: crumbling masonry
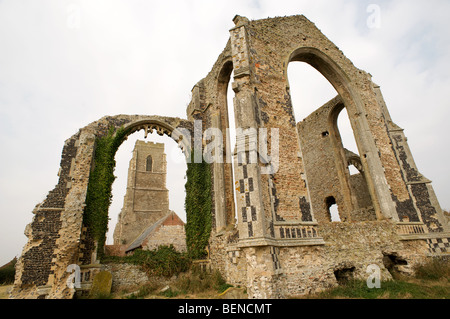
(283, 242)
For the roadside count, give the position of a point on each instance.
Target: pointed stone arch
(351, 97)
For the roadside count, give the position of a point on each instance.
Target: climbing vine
(99, 192)
(198, 208)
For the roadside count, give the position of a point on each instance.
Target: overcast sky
(65, 64)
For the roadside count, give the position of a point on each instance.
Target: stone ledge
(293, 242)
(424, 236)
(294, 223)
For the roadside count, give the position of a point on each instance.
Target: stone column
(219, 182)
(250, 211)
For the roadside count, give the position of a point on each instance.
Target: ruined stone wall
(126, 276)
(225, 256)
(55, 230)
(275, 205)
(322, 156)
(282, 272)
(166, 235)
(349, 247)
(327, 167)
(360, 190)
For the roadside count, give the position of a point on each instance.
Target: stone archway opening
(232, 143)
(308, 88)
(143, 195)
(111, 134)
(352, 170)
(225, 208)
(332, 208)
(328, 137)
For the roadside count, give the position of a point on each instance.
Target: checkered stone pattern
(246, 187)
(274, 252)
(439, 245)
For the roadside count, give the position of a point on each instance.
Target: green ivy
(99, 195)
(198, 208)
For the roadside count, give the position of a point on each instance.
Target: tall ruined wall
(282, 215)
(268, 46)
(274, 44)
(323, 165)
(55, 230)
(210, 104)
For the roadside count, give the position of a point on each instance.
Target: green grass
(198, 281)
(7, 272)
(435, 269)
(144, 291)
(395, 289)
(193, 283)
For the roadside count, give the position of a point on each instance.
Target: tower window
(149, 164)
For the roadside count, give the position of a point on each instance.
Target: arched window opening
(353, 170)
(320, 100)
(149, 164)
(332, 209)
(309, 89)
(173, 163)
(231, 136)
(226, 210)
(346, 132)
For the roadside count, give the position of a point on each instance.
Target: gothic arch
(351, 99)
(181, 135)
(224, 203)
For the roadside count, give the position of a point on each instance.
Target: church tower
(147, 199)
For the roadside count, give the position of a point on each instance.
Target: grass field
(395, 289)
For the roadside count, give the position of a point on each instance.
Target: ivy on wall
(198, 205)
(99, 192)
